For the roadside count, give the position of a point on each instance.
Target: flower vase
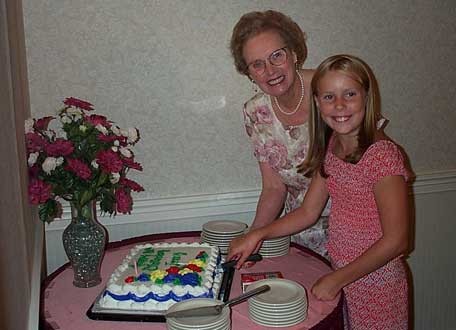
(84, 241)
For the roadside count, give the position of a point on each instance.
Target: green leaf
(48, 211)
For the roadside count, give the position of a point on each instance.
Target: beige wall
(164, 66)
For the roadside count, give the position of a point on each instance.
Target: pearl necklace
(300, 99)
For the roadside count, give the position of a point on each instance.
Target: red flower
(94, 120)
(34, 171)
(35, 142)
(131, 184)
(109, 161)
(60, 147)
(39, 191)
(80, 168)
(42, 123)
(129, 162)
(107, 138)
(74, 102)
(124, 202)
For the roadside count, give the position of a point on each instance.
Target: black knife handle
(253, 257)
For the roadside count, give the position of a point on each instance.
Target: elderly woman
(270, 49)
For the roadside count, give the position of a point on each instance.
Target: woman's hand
(243, 246)
(326, 288)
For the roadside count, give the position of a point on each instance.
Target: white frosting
(118, 286)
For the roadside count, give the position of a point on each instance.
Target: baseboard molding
(191, 212)
(215, 205)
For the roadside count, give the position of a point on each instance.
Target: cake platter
(97, 312)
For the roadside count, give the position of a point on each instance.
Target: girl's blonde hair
(320, 132)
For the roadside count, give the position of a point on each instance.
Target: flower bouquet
(88, 162)
(83, 160)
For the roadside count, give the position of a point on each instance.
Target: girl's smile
(342, 101)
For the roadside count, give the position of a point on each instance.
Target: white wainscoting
(432, 261)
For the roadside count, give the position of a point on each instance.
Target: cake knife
(217, 309)
(229, 264)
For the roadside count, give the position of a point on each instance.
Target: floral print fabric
(284, 148)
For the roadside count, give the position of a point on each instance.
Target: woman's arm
(304, 216)
(272, 197)
(391, 197)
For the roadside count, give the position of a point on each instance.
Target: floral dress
(284, 148)
(379, 300)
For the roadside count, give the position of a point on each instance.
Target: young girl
(364, 173)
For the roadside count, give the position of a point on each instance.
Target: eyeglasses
(277, 57)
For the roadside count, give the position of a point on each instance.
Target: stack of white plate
(221, 232)
(221, 321)
(275, 247)
(283, 306)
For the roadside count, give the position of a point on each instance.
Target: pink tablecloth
(64, 306)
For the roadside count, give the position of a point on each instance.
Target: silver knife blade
(197, 311)
(217, 309)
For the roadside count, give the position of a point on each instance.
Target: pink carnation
(107, 138)
(74, 102)
(131, 184)
(94, 120)
(42, 123)
(80, 168)
(129, 162)
(39, 191)
(124, 202)
(60, 147)
(109, 161)
(35, 142)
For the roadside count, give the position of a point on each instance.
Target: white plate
(200, 322)
(224, 226)
(280, 318)
(283, 292)
(278, 314)
(300, 305)
(278, 324)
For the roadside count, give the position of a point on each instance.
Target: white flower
(82, 128)
(49, 164)
(28, 125)
(101, 129)
(114, 178)
(49, 134)
(116, 130)
(132, 135)
(77, 117)
(59, 161)
(125, 152)
(114, 148)
(65, 119)
(94, 163)
(74, 111)
(32, 158)
(116, 143)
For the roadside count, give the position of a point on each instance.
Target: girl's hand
(243, 246)
(326, 288)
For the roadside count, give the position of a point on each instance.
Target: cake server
(217, 309)
(229, 264)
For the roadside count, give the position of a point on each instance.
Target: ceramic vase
(84, 241)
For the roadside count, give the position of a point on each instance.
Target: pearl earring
(254, 87)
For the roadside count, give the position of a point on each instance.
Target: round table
(64, 306)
